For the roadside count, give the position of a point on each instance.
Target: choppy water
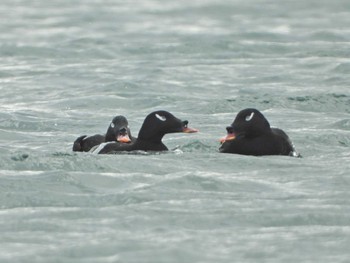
(68, 67)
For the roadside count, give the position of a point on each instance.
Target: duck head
(249, 123)
(118, 130)
(159, 123)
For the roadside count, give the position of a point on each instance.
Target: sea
(68, 67)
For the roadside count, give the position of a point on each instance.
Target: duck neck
(150, 145)
(154, 138)
(150, 134)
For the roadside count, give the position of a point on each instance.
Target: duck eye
(249, 117)
(112, 125)
(162, 118)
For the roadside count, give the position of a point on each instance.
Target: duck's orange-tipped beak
(189, 130)
(123, 138)
(228, 137)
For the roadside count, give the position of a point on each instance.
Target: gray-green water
(67, 67)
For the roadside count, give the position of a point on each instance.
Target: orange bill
(228, 137)
(123, 138)
(189, 130)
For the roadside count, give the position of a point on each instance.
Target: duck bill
(189, 130)
(228, 137)
(123, 138)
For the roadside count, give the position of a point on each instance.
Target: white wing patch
(96, 149)
(250, 117)
(162, 118)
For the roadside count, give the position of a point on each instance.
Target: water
(68, 68)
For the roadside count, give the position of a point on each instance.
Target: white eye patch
(250, 117)
(112, 125)
(162, 118)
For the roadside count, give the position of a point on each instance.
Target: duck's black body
(153, 129)
(84, 143)
(251, 134)
(118, 131)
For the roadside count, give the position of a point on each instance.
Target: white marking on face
(162, 118)
(112, 125)
(250, 117)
